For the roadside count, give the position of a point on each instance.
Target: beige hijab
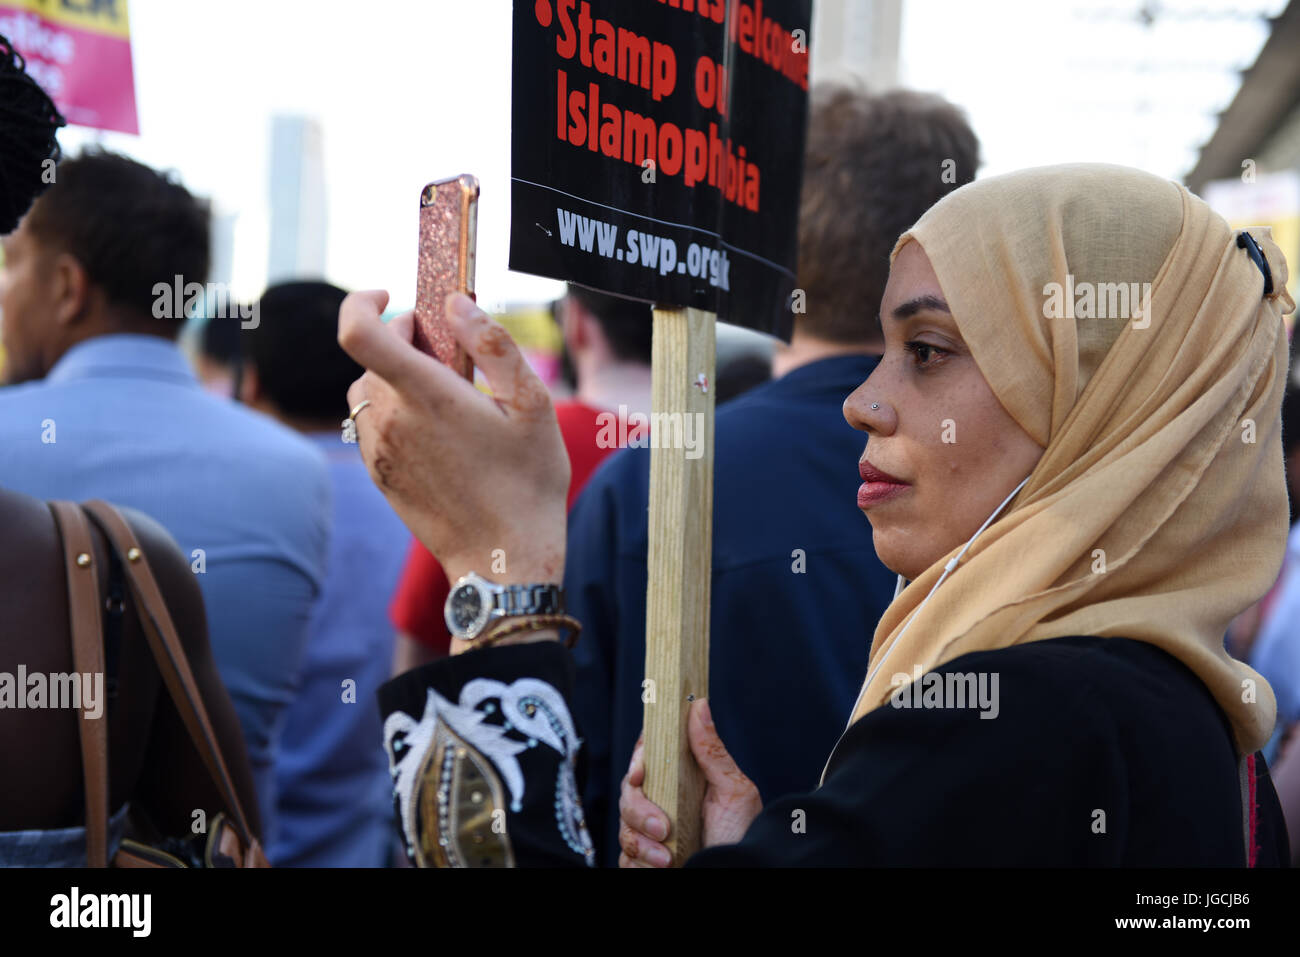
(1159, 508)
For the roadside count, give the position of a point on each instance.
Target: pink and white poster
(80, 53)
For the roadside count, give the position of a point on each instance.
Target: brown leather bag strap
(168, 653)
(87, 658)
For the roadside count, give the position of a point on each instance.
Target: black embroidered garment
(1066, 752)
(483, 753)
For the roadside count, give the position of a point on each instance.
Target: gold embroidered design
(459, 808)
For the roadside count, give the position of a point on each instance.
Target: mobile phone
(448, 226)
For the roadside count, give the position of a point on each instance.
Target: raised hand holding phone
(467, 472)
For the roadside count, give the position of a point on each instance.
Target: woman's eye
(924, 354)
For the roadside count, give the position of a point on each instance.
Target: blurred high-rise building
(297, 199)
(223, 245)
(856, 40)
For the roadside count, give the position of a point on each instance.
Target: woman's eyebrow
(921, 304)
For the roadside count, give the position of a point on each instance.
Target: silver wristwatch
(474, 602)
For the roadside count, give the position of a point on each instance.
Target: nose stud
(875, 406)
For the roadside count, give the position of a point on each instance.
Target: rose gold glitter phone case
(448, 223)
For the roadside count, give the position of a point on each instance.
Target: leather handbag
(229, 842)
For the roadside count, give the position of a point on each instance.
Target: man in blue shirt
(333, 790)
(797, 589)
(102, 404)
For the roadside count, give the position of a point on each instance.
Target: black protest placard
(657, 149)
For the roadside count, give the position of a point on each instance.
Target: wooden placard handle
(679, 563)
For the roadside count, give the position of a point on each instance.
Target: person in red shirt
(608, 342)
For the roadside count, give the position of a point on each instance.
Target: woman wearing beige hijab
(1074, 465)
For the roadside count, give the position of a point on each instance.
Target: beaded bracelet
(515, 624)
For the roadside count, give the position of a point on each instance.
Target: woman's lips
(877, 486)
(873, 493)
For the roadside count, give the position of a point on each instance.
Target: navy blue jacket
(797, 590)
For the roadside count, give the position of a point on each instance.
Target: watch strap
(511, 600)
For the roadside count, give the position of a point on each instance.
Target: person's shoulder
(22, 391)
(1024, 698)
(623, 474)
(751, 401)
(586, 432)
(246, 431)
(171, 570)
(24, 405)
(609, 513)
(804, 406)
(1076, 658)
(166, 560)
(1136, 690)
(824, 381)
(1065, 651)
(573, 413)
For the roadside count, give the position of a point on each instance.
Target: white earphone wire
(947, 568)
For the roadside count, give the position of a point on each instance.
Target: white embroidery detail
(539, 711)
(530, 706)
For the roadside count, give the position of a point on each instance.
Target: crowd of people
(315, 574)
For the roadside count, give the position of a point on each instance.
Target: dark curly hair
(626, 322)
(294, 347)
(29, 121)
(873, 163)
(129, 226)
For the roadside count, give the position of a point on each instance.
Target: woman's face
(949, 451)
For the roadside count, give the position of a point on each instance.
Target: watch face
(466, 608)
